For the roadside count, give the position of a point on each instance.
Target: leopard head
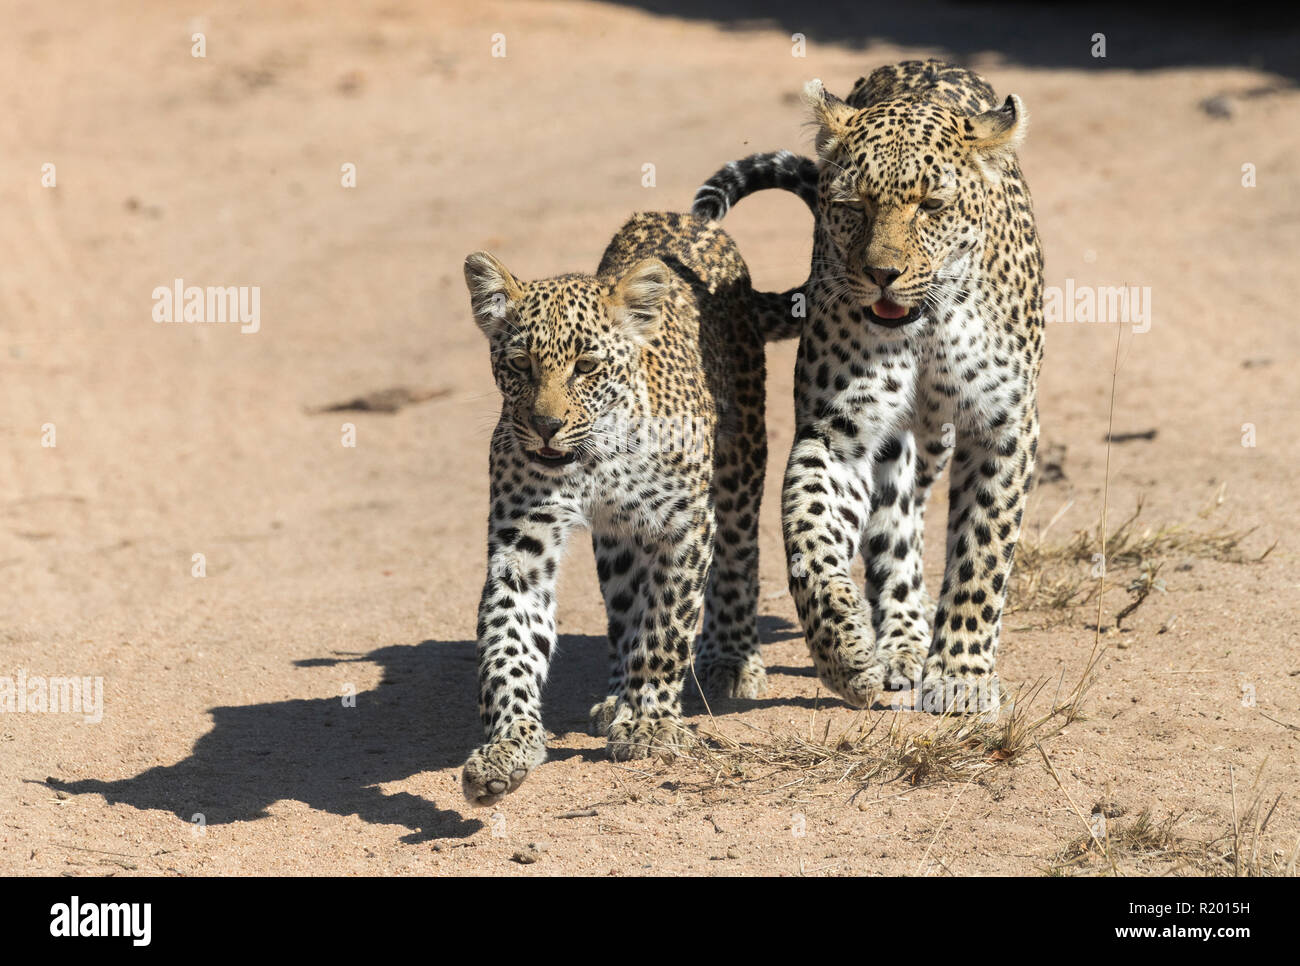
(565, 351)
(904, 195)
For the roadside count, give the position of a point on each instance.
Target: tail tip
(710, 203)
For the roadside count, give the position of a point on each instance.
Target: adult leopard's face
(902, 196)
(564, 352)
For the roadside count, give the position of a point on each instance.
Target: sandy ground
(226, 746)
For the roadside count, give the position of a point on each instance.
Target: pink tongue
(886, 309)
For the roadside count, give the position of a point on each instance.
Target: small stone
(1219, 106)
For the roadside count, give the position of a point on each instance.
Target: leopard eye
(932, 204)
(520, 364)
(586, 365)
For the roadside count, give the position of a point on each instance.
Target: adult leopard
(924, 337)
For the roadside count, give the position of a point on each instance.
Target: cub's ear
(638, 298)
(491, 290)
(830, 115)
(995, 135)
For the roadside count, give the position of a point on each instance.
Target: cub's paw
(721, 679)
(497, 768)
(601, 717)
(632, 736)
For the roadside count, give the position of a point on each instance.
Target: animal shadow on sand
(334, 754)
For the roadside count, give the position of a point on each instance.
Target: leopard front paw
(900, 656)
(965, 690)
(634, 735)
(497, 768)
(843, 644)
(847, 676)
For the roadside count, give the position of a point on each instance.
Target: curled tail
(775, 169)
(779, 315)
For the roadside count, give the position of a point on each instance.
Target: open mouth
(551, 457)
(892, 315)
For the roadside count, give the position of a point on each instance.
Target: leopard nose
(884, 276)
(546, 426)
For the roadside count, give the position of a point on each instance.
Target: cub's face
(902, 196)
(565, 352)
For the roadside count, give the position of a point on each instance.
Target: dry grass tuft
(1124, 846)
(908, 748)
(1146, 846)
(1059, 578)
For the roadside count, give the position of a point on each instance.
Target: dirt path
(335, 570)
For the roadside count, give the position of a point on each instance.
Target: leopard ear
(829, 115)
(638, 298)
(491, 290)
(995, 135)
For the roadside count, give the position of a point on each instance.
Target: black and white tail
(758, 172)
(779, 314)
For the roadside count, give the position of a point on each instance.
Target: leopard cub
(632, 404)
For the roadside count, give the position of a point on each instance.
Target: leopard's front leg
(825, 505)
(620, 567)
(990, 481)
(904, 472)
(516, 637)
(661, 616)
(891, 551)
